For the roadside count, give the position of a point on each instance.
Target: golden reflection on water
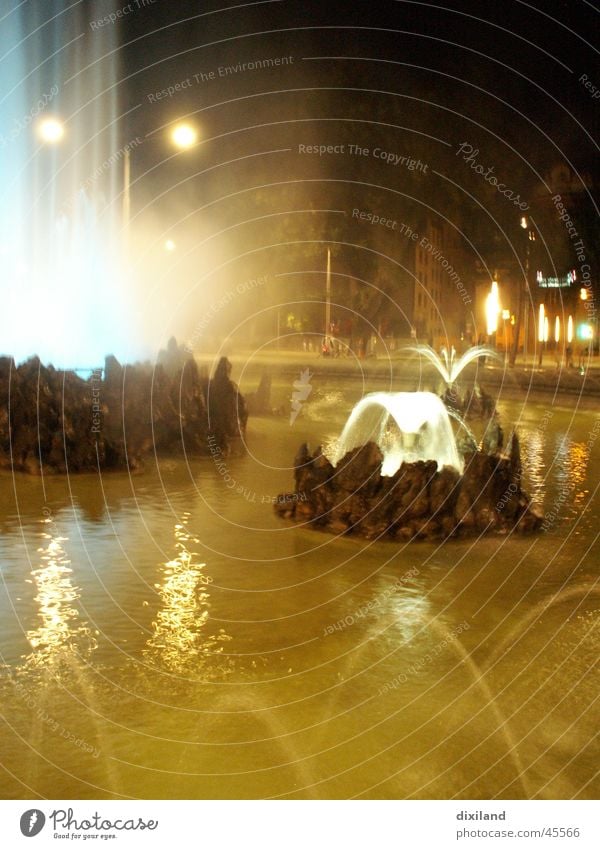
(179, 642)
(570, 463)
(61, 629)
(533, 446)
(574, 469)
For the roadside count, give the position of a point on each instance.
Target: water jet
(397, 473)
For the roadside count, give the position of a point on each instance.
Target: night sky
(504, 77)
(367, 88)
(412, 79)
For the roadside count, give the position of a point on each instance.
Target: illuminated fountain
(449, 366)
(69, 311)
(64, 278)
(81, 293)
(412, 426)
(407, 427)
(447, 363)
(397, 472)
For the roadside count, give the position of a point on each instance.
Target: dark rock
(113, 371)
(173, 358)
(301, 461)
(360, 469)
(259, 402)
(443, 492)
(417, 502)
(55, 422)
(227, 412)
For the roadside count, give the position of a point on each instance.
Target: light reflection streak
(532, 447)
(61, 630)
(179, 642)
(573, 459)
(576, 466)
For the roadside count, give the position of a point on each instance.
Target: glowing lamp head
(583, 294)
(51, 130)
(184, 136)
(524, 223)
(170, 245)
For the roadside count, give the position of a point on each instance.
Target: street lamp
(522, 310)
(184, 136)
(328, 298)
(51, 130)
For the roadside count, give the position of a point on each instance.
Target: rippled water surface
(165, 635)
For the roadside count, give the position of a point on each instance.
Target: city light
(184, 136)
(586, 331)
(557, 329)
(541, 323)
(170, 245)
(51, 130)
(570, 329)
(492, 309)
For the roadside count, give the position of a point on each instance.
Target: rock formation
(418, 501)
(57, 422)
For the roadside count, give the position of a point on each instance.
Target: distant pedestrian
(569, 353)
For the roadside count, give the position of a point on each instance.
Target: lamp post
(525, 226)
(505, 318)
(328, 298)
(183, 136)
